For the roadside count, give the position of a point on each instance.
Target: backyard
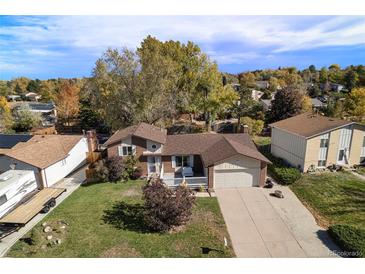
(335, 198)
(105, 220)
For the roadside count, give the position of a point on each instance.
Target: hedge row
(349, 238)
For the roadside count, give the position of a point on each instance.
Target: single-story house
(312, 140)
(317, 104)
(32, 96)
(51, 157)
(208, 159)
(262, 84)
(332, 86)
(256, 94)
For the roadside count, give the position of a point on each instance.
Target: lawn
(104, 220)
(336, 198)
(261, 140)
(361, 170)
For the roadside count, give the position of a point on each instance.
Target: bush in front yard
(116, 168)
(285, 175)
(165, 208)
(349, 238)
(101, 171)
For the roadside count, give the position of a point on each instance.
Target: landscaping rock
(58, 241)
(49, 237)
(62, 227)
(47, 229)
(44, 224)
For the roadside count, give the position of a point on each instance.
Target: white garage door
(236, 178)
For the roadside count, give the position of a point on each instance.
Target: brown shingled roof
(212, 147)
(44, 150)
(308, 124)
(142, 130)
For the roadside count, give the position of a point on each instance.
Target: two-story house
(312, 140)
(208, 159)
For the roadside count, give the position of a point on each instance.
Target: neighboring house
(311, 140)
(47, 110)
(262, 84)
(332, 87)
(207, 159)
(266, 104)
(8, 141)
(317, 104)
(13, 98)
(256, 94)
(32, 96)
(51, 157)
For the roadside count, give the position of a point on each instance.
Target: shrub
(281, 171)
(166, 208)
(116, 169)
(130, 170)
(349, 238)
(101, 171)
(286, 175)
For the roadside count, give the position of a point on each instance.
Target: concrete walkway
(264, 226)
(71, 183)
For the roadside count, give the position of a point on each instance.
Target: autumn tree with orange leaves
(67, 102)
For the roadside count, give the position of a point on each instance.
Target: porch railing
(191, 182)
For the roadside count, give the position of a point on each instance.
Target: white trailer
(15, 186)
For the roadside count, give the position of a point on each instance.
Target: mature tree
(158, 81)
(67, 101)
(5, 115)
(34, 86)
(306, 103)
(4, 89)
(312, 68)
(247, 80)
(287, 103)
(335, 73)
(351, 79)
(355, 104)
(47, 91)
(254, 126)
(273, 84)
(323, 75)
(19, 85)
(25, 119)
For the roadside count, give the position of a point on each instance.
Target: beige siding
(356, 144)
(238, 162)
(288, 146)
(312, 152)
(333, 147)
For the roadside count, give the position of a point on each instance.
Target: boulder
(44, 224)
(58, 241)
(47, 229)
(49, 237)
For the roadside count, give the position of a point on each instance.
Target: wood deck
(26, 211)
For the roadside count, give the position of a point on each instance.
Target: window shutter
(120, 150)
(173, 162)
(191, 160)
(134, 150)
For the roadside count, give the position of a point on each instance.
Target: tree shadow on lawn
(126, 216)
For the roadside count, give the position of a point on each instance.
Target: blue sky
(68, 46)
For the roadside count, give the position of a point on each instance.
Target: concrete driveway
(71, 183)
(264, 226)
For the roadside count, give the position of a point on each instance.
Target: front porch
(197, 181)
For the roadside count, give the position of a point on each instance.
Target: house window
(362, 160)
(182, 161)
(126, 150)
(324, 143)
(3, 199)
(321, 163)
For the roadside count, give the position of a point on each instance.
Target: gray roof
(10, 140)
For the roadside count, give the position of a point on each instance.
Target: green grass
(339, 197)
(98, 229)
(261, 140)
(361, 170)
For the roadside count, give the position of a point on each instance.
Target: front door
(153, 164)
(341, 160)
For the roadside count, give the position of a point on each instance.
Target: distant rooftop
(9, 140)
